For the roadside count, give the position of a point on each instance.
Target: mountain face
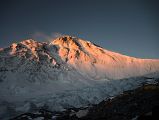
(65, 72)
(98, 63)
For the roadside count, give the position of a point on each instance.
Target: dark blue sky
(130, 27)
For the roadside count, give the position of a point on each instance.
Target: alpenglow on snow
(66, 72)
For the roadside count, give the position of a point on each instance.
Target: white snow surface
(67, 72)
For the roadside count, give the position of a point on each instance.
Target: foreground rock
(141, 103)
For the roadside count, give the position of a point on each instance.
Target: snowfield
(67, 72)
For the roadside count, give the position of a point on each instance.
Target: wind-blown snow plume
(40, 36)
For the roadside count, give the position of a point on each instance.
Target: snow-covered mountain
(65, 72)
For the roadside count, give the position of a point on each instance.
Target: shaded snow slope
(65, 72)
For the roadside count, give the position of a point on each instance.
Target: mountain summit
(65, 72)
(87, 58)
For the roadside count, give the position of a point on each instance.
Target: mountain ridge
(83, 56)
(66, 72)
(68, 38)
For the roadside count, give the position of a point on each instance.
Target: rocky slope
(138, 104)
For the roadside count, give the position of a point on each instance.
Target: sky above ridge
(130, 27)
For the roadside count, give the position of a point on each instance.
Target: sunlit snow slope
(98, 63)
(65, 72)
